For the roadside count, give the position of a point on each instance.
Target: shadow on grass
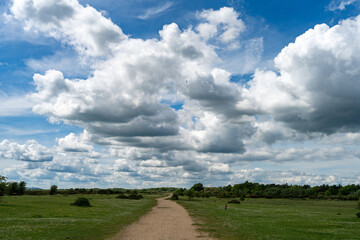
(6, 204)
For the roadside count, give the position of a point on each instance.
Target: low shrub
(235, 201)
(105, 191)
(81, 202)
(135, 196)
(122, 196)
(37, 192)
(180, 191)
(174, 197)
(358, 214)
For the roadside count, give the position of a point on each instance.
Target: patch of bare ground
(167, 220)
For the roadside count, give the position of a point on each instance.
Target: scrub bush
(81, 202)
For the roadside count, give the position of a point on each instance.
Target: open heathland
(52, 217)
(275, 218)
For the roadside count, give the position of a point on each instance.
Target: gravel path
(167, 220)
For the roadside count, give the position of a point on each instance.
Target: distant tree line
(19, 188)
(109, 191)
(11, 188)
(257, 190)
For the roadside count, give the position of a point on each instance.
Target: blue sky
(93, 94)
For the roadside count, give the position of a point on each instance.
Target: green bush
(234, 201)
(189, 193)
(81, 202)
(122, 196)
(180, 191)
(174, 197)
(358, 214)
(135, 196)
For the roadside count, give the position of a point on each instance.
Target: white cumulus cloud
(224, 24)
(68, 21)
(30, 151)
(317, 89)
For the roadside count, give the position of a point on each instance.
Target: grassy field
(52, 217)
(276, 218)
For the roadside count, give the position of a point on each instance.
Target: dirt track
(167, 220)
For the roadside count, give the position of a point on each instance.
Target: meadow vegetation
(53, 214)
(260, 218)
(266, 211)
(273, 211)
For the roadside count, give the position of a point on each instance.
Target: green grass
(52, 217)
(274, 219)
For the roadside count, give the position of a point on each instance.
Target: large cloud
(318, 87)
(128, 97)
(31, 151)
(67, 20)
(74, 143)
(168, 113)
(72, 160)
(222, 24)
(129, 94)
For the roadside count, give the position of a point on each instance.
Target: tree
(207, 194)
(22, 188)
(189, 193)
(198, 187)
(13, 188)
(312, 192)
(348, 189)
(331, 191)
(2, 185)
(228, 188)
(53, 190)
(180, 191)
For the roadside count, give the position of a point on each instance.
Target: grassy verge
(52, 217)
(275, 219)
